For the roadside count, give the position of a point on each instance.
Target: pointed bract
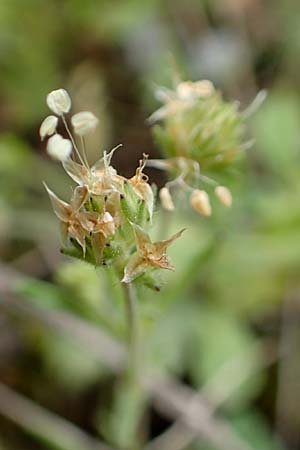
(149, 255)
(72, 223)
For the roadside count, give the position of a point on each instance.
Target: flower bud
(199, 201)
(109, 222)
(166, 199)
(83, 122)
(224, 195)
(188, 90)
(59, 101)
(48, 126)
(203, 88)
(59, 148)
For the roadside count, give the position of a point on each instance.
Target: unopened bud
(199, 201)
(224, 195)
(109, 223)
(83, 122)
(59, 101)
(166, 199)
(188, 90)
(48, 126)
(203, 88)
(107, 217)
(59, 148)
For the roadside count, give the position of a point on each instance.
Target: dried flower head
(84, 122)
(200, 135)
(59, 102)
(107, 219)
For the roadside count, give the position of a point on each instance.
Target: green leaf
(224, 354)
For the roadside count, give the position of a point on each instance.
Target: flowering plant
(200, 134)
(107, 220)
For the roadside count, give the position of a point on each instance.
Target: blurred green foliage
(233, 271)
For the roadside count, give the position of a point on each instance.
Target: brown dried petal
(78, 173)
(79, 198)
(75, 229)
(61, 209)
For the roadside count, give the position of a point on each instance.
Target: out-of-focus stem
(133, 330)
(84, 151)
(288, 388)
(46, 426)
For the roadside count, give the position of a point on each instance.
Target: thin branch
(288, 388)
(215, 393)
(172, 398)
(84, 153)
(44, 425)
(73, 141)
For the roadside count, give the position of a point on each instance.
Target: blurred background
(227, 323)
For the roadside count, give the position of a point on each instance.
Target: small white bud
(224, 195)
(48, 126)
(59, 101)
(184, 90)
(166, 199)
(109, 222)
(83, 122)
(203, 88)
(107, 217)
(199, 201)
(189, 90)
(59, 148)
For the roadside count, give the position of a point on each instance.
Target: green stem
(133, 330)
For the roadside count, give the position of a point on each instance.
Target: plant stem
(73, 141)
(84, 151)
(133, 330)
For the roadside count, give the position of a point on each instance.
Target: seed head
(84, 122)
(199, 201)
(224, 195)
(59, 148)
(166, 199)
(59, 102)
(48, 126)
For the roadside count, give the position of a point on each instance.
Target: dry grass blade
(46, 426)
